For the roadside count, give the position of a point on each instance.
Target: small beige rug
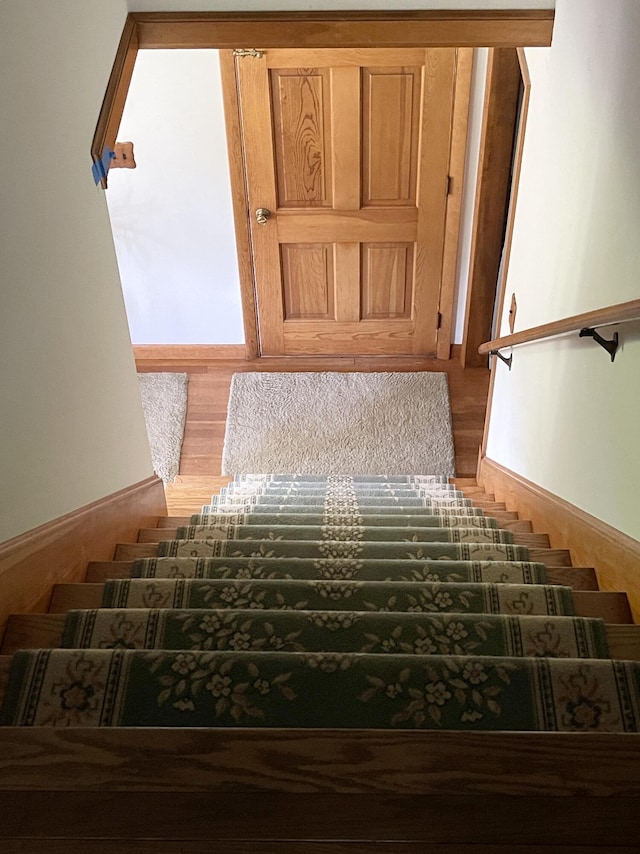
(339, 423)
(164, 403)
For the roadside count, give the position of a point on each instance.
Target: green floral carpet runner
(310, 601)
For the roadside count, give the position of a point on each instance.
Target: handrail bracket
(507, 360)
(610, 345)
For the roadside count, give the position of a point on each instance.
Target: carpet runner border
(337, 549)
(341, 480)
(352, 595)
(395, 491)
(345, 533)
(442, 500)
(331, 631)
(417, 520)
(494, 572)
(365, 512)
(298, 690)
(327, 521)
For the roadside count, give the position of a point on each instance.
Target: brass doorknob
(262, 215)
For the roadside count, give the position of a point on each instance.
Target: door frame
(366, 28)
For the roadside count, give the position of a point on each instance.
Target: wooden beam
(511, 217)
(457, 159)
(366, 28)
(239, 202)
(492, 196)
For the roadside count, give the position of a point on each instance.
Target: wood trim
(115, 96)
(511, 216)
(614, 555)
(187, 845)
(59, 551)
(153, 356)
(492, 193)
(239, 201)
(457, 158)
(332, 816)
(366, 28)
(316, 761)
(418, 28)
(622, 312)
(320, 785)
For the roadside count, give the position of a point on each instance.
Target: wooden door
(348, 150)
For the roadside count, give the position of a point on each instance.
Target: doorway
(346, 157)
(415, 28)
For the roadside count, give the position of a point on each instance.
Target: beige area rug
(339, 423)
(164, 403)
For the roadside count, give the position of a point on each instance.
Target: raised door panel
(302, 136)
(387, 280)
(308, 281)
(391, 99)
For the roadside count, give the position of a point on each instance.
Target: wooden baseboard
(615, 556)
(151, 357)
(60, 550)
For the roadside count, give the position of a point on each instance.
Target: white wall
(565, 417)
(171, 216)
(71, 429)
(71, 424)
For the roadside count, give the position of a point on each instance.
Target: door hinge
(248, 51)
(449, 185)
(439, 323)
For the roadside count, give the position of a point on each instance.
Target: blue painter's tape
(101, 167)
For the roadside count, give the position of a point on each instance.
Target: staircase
(387, 633)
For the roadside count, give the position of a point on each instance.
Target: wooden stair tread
(611, 606)
(578, 577)
(44, 631)
(521, 538)
(507, 519)
(550, 557)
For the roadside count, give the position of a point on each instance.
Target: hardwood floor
(209, 382)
